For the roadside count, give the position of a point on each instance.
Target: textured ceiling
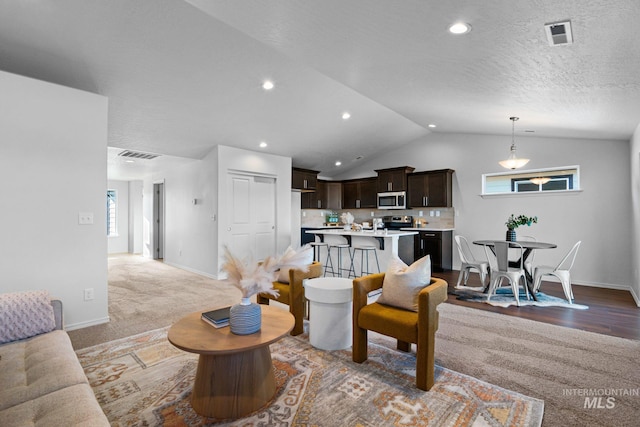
(182, 77)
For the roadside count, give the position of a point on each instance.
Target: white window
(112, 229)
(562, 179)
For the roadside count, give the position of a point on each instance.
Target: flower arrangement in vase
(252, 278)
(514, 222)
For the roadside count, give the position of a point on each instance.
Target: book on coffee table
(217, 318)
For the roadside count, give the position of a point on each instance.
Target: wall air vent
(559, 33)
(137, 155)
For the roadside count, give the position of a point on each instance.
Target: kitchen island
(390, 243)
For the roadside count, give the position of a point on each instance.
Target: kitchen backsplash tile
(317, 217)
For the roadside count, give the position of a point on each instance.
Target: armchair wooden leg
(359, 348)
(425, 363)
(404, 346)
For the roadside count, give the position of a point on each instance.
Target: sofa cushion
(403, 283)
(37, 366)
(283, 274)
(25, 314)
(75, 405)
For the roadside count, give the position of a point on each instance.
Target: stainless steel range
(396, 222)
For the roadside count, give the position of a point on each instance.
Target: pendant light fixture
(513, 162)
(541, 180)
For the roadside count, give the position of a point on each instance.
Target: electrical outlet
(88, 294)
(420, 213)
(85, 218)
(431, 213)
(437, 213)
(372, 214)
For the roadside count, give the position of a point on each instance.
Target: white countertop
(365, 233)
(427, 229)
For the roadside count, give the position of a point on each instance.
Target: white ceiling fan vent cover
(137, 155)
(559, 33)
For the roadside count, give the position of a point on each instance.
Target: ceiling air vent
(559, 33)
(137, 155)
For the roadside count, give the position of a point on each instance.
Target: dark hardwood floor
(611, 312)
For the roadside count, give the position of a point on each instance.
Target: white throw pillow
(403, 283)
(25, 314)
(283, 274)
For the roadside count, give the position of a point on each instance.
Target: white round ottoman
(330, 312)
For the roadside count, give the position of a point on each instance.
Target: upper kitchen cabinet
(304, 179)
(314, 199)
(430, 189)
(393, 179)
(359, 193)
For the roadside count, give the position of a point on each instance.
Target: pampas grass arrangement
(257, 277)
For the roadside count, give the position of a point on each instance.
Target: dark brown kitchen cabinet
(304, 179)
(314, 199)
(359, 193)
(430, 189)
(437, 244)
(393, 179)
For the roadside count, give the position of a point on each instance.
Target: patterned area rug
(144, 381)
(504, 298)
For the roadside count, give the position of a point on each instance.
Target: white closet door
(252, 226)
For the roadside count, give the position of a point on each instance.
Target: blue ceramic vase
(245, 318)
(511, 235)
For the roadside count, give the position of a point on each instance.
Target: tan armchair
(404, 325)
(292, 293)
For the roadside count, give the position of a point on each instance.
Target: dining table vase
(511, 235)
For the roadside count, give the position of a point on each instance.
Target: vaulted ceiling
(184, 76)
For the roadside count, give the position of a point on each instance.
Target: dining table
(529, 246)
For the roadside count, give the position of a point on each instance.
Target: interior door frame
(158, 220)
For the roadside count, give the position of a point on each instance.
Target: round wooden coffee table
(235, 372)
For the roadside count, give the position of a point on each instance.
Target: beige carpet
(544, 361)
(145, 381)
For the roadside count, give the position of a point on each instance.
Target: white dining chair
(468, 262)
(503, 271)
(561, 271)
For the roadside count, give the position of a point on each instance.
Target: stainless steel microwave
(392, 200)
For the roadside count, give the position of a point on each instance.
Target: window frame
(113, 208)
(559, 172)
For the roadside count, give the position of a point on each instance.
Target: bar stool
(368, 250)
(337, 270)
(317, 247)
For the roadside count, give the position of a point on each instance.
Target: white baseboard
(193, 270)
(81, 325)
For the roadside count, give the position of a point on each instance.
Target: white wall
(635, 217)
(135, 217)
(120, 242)
(53, 165)
(192, 230)
(599, 215)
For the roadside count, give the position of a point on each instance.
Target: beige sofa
(42, 380)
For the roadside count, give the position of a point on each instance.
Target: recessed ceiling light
(346, 115)
(431, 125)
(459, 28)
(129, 161)
(263, 144)
(338, 163)
(267, 85)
